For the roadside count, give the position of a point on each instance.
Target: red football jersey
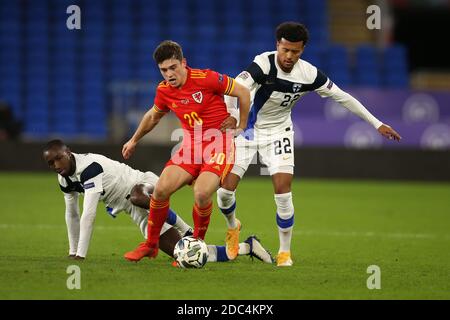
(199, 101)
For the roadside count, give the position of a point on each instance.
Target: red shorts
(215, 156)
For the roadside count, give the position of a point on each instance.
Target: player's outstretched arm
(243, 95)
(329, 89)
(72, 215)
(148, 122)
(87, 222)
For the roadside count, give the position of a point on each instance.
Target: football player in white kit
(277, 80)
(121, 188)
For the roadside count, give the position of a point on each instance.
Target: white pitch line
(297, 233)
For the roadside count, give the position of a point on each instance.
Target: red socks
(201, 217)
(158, 215)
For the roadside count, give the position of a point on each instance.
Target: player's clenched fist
(128, 149)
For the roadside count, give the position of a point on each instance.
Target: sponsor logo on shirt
(185, 101)
(198, 97)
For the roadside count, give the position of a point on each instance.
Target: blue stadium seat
(396, 80)
(288, 6)
(38, 71)
(148, 12)
(10, 57)
(10, 91)
(120, 72)
(233, 32)
(92, 59)
(64, 120)
(262, 33)
(94, 123)
(93, 101)
(36, 105)
(314, 55)
(367, 71)
(205, 32)
(36, 127)
(11, 26)
(336, 65)
(146, 67)
(395, 69)
(366, 55)
(120, 43)
(93, 41)
(10, 42)
(148, 31)
(233, 15)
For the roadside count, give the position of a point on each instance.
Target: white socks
(227, 203)
(285, 220)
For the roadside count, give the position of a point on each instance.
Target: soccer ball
(190, 252)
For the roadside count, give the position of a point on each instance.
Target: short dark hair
(167, 49)
(53, 144)
(293, 32)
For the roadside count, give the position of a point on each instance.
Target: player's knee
(225, 198)
(160, 193)
(202, 197)
(285, 207)
(231, 181)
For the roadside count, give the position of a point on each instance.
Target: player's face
(174, 71)
(60, 161)
(289, 53)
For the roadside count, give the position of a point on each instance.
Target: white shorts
(276, 152)
(140, 217)
(148, 178)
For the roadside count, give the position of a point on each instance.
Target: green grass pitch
(341, 228)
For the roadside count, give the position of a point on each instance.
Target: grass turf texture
(341, 228)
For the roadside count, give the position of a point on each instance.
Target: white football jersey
(114, 180)
(274, 92)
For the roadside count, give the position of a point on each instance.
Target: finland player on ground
(121, 188)
(277, 80)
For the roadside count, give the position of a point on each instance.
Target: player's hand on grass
(128, 149)
(228, 123)
(389, 133)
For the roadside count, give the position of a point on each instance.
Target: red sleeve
(158, 103)
(220, 83)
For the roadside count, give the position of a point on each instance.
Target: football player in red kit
(206, 154)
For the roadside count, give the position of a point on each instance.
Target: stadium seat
(395, 69)
(10, 91)
(35, 127)
(335, 64)
(367, 71)
(314, 54)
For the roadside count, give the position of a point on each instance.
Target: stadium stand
(58, 80)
